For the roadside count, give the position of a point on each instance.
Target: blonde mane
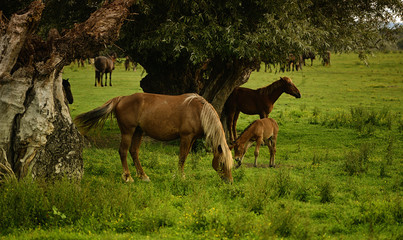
(213, 130)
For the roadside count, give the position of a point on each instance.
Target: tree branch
(19, 27)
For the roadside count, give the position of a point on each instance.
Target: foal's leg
(124, 146)
(134, 152)
(258, 143)
(271, 143)
(185, 145)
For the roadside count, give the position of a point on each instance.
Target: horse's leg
(102, 79)
(96, 78)
(134, 152)
(230, 118)
(258, 143)
(124, 146)
(271, 143)
(185, 144)
(110, 79)
(106, 79)
(236, 115)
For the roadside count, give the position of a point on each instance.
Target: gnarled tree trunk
(37, 135)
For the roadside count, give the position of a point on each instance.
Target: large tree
(37, 135)
(210, 46)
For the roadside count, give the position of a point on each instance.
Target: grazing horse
(104, 65)
(262, 130)
(308, 55)
(259, 101)
(67, 90)
(164, 118)
(326, 58)
(295, 61)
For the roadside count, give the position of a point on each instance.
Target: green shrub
(357, 162)
(257, 195)
(23, 205)
(326, 191)
(283, 183)
(302, 192)
(363, 120)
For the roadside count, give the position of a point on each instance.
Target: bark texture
(37, 135)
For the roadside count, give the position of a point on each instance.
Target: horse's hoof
(145, 179)
(127, 178)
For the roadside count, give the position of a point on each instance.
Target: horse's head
(290, 88)
(222, 162)
(67, 90)
(239, 152)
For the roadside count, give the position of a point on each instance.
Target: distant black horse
(67, 90)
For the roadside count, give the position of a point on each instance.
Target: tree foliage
(210, 41)
(255, 29)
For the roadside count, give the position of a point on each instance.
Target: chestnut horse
(164, 118)
(259, 101)
(262, 130)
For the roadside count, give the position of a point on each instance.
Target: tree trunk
(214, 80)
(223, 78)
(37, 135)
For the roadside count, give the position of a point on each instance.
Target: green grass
(339, 176)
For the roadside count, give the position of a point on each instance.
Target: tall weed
(363, 120)
(357, 162)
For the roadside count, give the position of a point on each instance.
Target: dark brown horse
(262, 130)
(104, 65)
(308, 55)
(259, 101)
(163, 117)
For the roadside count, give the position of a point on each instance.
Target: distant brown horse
(259, 101)
(326, 58)
(163, 117)
(104, 65)
(262, 130)
(308, 55)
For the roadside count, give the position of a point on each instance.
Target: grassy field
(339, 173)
